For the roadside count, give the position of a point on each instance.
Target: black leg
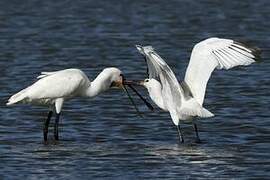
(196, 131)
(181, 138)
(56, 137)
(46, 126)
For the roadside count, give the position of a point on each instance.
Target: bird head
(114, 77)
(147, 83)
(117, 80)
(150, 84)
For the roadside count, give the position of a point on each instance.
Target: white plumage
(65, 84)
(185, 101)
(210, 54)
(53, 88)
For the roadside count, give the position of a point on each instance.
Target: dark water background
(103, 137)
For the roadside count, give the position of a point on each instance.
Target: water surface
(103, 137)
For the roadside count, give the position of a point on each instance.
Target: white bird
(185, 101)
(53, 88)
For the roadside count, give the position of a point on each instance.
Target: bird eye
(147, 80)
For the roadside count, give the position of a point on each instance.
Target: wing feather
(58, 84)
(171, 90)
(45, 74)
(215, 53)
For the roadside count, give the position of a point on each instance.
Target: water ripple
(103, 137)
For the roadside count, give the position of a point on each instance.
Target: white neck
(156, 95)
(99, 85)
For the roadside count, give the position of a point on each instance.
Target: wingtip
(9, 103)
(257, 54)
(255, 51)
(139, 47)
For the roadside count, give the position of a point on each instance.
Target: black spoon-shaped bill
(132, 101)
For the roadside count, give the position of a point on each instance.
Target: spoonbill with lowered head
(185, 101)
(53, 88)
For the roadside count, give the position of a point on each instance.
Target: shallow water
(103, 137)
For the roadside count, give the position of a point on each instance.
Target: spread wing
(215, 53)
(171, 90)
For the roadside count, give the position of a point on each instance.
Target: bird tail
(205, 113)
(17, 97)
(193, 108)
(201, 112)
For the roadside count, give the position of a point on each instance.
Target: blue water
(103, 137)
